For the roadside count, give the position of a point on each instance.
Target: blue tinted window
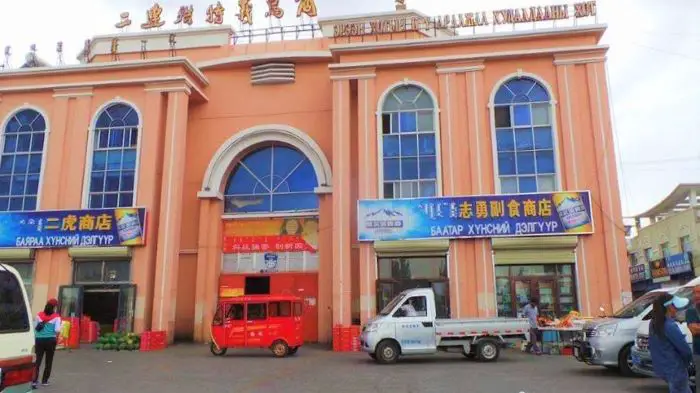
(20, 163)
(524, 137)
(114, 155)
(275, 178)
(408, 143)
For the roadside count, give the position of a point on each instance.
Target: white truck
(407, 326)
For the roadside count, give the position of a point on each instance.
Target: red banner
(270, 235)
(245, 244)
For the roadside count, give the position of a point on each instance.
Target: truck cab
(409, 320)
(408, 326)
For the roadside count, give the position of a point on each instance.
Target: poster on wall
(73, 228)
(271, 235)
(485, 216)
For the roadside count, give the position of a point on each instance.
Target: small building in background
(665, 241)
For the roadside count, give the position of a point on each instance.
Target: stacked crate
(346, 338)
(74, 336)
(153, 341)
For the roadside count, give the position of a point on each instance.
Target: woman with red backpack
(47, 326)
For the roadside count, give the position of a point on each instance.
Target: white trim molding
(356, 76)
(583, 60)
(380, 144)
(454, 70)
(232, 149)
(91, 151)
(45, 150)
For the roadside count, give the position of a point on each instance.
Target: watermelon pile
(118, 342)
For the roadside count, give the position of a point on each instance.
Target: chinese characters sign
(73, 228)
(541, 214)
(639, 272)
(270, 235)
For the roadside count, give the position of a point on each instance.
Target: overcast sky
(655, 47)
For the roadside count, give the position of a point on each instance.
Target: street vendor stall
(557, 335)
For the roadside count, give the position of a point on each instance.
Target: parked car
(641, 357)
(608, 341)
(408, 326)
(16, 334)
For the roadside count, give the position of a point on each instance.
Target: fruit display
(568, 321)
(118, 342)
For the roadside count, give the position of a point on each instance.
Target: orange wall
(178, 278)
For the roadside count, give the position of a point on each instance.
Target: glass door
(522, 291)
(70, 301)
(545, 291)
(125, 311)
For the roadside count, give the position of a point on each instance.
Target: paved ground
(191, 368)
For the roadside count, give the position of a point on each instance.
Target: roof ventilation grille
(272, 73)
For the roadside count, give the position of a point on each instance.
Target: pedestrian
(692, 317)
(47, 326)
(670, 354)
(531, 312)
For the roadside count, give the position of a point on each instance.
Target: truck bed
(481, 327)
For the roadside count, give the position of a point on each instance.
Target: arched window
(524, 137)
(114, 146)
(409, 154)
(275, 178)
(20, 165)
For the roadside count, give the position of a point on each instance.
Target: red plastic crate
(153, 341)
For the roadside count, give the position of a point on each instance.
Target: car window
(257, 311)
(13, 311)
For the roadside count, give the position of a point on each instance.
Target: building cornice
(598, 29)
(473, 56)
(105, 83)
(294, 56)
(109, 66)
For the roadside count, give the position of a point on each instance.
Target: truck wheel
(487, 351)
(217, 351)
(624, 361)
(279, 349)
(387, 352)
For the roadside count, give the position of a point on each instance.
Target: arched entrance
(269, 180)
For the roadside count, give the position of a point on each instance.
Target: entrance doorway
(553, 285)
(101, 304)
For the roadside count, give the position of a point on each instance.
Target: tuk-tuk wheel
(217, 351)
(280, 349)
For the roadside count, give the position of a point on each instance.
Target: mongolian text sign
(470, 19)
(73, 228)
(679, 263)
(540, 214)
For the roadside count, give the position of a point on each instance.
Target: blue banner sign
(73, 228)
(679, 263)
(540, 214)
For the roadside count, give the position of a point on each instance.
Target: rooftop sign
(471, 19)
